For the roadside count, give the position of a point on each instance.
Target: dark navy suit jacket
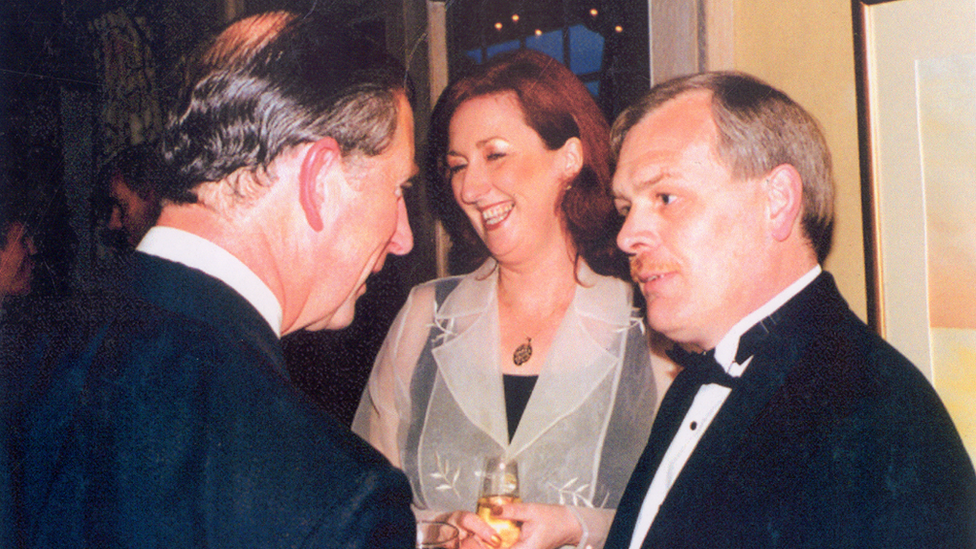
(164, 417)
(831, 439)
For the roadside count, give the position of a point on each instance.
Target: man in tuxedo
(791, 424)
(163, 416)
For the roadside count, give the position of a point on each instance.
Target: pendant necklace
(523, 352)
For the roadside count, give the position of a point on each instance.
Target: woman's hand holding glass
(474, 532)
(543, 526)
(503, 521)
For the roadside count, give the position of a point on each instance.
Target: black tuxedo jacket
(162, 416)
(831, 439)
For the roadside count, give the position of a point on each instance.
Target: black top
(518, 389)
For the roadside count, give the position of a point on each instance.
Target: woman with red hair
(539, 354)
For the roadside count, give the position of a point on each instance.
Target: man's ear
(572, 155)
(323, 156)
(784, 190)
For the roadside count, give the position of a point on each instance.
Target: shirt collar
(726, 349)
(201, 254)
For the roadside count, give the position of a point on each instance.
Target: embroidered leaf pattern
(570, 495)
(447, 480)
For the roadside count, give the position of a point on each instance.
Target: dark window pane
(550, 43)
(586, 50)
(594, 87)
(504, 46)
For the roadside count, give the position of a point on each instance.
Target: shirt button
(694, 425)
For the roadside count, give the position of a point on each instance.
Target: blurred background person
(539, 355)
(16, 255)
(38, 243)
(127, 197)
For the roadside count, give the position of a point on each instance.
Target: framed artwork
(917, 84)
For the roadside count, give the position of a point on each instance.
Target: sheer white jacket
(435, 404)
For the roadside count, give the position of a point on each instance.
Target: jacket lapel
(466, 351)
(670, 414)
(741, 413)
(467, 354)
(573, 369)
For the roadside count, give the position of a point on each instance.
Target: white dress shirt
(201, 254)
(704, 408)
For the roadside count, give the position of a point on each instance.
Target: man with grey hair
(164, 417)
(791, 424)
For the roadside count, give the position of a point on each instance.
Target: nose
(471, 184)
(636, 233)
(402, 241)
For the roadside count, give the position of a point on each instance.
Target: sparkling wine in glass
(501, 486)
(437, 535)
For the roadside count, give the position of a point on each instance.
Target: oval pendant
(523, 352)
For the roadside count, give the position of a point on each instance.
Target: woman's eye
(667, 198)
(495, 155)
(452, 170)
(623, 209)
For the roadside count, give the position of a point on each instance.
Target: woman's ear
(784, 192)
(572, 158)
(321, 158)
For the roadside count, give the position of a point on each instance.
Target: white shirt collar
(726, 349)
(199, 253)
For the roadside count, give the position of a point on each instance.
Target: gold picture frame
(917, 101)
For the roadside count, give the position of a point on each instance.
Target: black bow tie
(702, 367)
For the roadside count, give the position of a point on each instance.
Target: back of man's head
(273, 81)
(759, 127)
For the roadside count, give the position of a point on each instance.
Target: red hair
(558, 107)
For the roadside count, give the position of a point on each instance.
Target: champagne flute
(501, 486)
(437, 535)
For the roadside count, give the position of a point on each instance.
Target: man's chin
(659, 319)
(342, 317)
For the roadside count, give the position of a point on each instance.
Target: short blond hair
(759, 128)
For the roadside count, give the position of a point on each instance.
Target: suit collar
(201, 254)
(727, 348)
(191, 293)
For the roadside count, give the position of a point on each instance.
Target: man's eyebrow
(644, 183)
